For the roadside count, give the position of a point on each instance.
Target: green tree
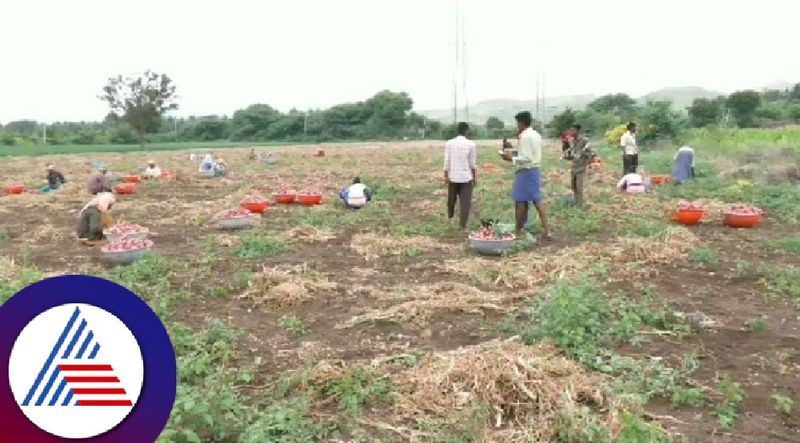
(618, 104)
(794, 112)
(794, 94)
(495, 124)
(345, 122)
(561, 122)
(704, 112)
(253, 122)
(387, 112)
(24, 127)
(743, 105)
(140, 101)
(771, 112)
(659, 121)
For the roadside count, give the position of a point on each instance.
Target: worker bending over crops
(220, 168)
(460, 166)
(581, 153)
(99, 181)
(630, 150)
(152, 171)
(94, 217)
(356, 195)
(54, 179)
(207, 165)
(683, 170)
(527, 181)
(632, 183)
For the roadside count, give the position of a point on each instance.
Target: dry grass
(417, 305)
(628, 255)
(287, 285)
(373, 246)
(309, 233)
(527, 390)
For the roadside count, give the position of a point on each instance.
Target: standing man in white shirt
(460, 174)
(528, 179)
(630, 150)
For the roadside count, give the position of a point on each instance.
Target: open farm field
(325, 324)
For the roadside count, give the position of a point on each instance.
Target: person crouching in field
(632, 183)
(55, 179)
(460, 166)
(357, 195)
(99, 182)
(94, 217)
(220, 168)
(527, 181)
(207, 165)
(683, 170)
(152, 171)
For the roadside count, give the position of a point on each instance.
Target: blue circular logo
(83, 358)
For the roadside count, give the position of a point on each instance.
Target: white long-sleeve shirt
(529, 152)
(460, 159)
(152, 172)
(628, 144)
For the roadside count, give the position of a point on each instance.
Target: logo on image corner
(76, 371)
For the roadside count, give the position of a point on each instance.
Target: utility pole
(458, 58)
(305, 125)
(175, 127)
(537, 97)
(544, 101)
(44, 133)
(464, 65)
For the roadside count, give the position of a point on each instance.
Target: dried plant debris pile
(526, 392)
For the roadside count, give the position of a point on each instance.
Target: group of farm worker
(269, 159)
(460, 169)
(217, 168)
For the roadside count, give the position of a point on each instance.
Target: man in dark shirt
(54, 179)
(99, 182)
(581, 153)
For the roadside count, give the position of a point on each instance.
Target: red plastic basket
(256, 207)
(311, 199)
(687, 217)
(661, 179)
(125, 188)
(741, 220)
(131, 179)
(14, 189)
(285, 199)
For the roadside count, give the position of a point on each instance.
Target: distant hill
(505, 109)
(681, 97)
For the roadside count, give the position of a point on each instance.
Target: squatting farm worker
(683, 170)
(94, 217)
(152, 171)
(54, 179)
(581, 153)
(460, 160)
(630, 150)
(632, 183)
(99, 181)
(356, 195)
(207, 165)
(527, 181)
(220, 168)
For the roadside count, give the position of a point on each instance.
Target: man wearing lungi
(527, 180)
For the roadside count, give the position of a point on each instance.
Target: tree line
(138, 108)
(657, 120)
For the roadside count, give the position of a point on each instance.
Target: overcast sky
(224, 55)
